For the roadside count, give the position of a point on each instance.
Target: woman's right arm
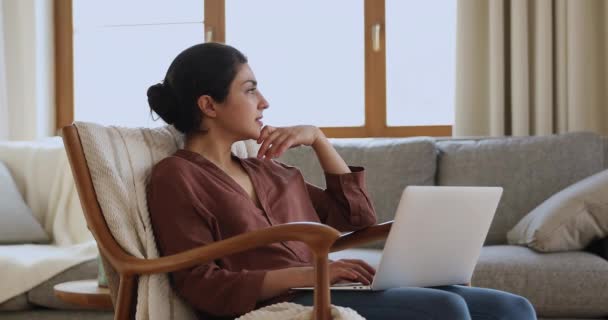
(180, 223)
(279, 281)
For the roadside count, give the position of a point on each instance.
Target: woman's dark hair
(203, 69)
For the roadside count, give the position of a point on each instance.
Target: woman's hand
(344, 270)
(276, 140)
(351, 270)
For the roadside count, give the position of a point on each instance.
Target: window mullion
(215, 19)
(64, 64)
(375, 69)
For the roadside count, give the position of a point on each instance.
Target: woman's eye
(252, 90)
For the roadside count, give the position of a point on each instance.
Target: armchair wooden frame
(320, 238)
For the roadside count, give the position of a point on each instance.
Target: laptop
(436, 238)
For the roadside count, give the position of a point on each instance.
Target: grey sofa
(570, 285)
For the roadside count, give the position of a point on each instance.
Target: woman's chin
(258, 131)
(253, 135)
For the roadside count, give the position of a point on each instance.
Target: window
(309, 70)
(118, 54)
(420, 59)
(356, 68)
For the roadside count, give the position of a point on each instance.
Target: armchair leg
(322, 298)
(124, 302)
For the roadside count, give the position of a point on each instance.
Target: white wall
(28, 46)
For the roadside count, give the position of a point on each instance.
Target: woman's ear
(207, 106)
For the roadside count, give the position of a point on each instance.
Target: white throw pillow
(568, 220)
(17, 224)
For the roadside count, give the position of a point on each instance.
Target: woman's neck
(214, 148)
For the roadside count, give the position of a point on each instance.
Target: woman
(204, 193)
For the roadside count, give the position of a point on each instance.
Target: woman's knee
(507, 306)
(412, 303)
(449, 305)
(517, 307)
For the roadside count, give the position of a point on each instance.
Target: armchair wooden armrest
(318, 237)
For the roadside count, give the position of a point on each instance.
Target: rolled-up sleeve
(180, 223)
(220, 292)
(345, 203)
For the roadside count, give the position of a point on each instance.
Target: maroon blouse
(193, 202)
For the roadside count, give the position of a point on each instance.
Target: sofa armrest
(599, 247)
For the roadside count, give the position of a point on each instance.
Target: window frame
(375, 124)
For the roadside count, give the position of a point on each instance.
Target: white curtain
(531, 67)
(3, 102)
(27, 93)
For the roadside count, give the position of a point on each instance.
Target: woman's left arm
(276, 140)
(330, 160)
(345, 203)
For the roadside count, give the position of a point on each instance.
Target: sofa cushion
(569, 220)
(530, 169)
(16, 303)
(605, 140)
(17, 224)
(565, 284)
(390, 165)
(43, 294)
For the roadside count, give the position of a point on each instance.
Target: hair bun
(162, 102)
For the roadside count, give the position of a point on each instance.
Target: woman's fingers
(267, 142)
(286, 144)
(364, 273)
(345, 274)
(338, 270)
(364, 264)
(356, 276)
(351, 271)
(275, 141)
(265, 132)
(277, 144)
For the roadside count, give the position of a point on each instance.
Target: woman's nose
(263, 102)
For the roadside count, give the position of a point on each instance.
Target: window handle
(209, 35)
(376, 37)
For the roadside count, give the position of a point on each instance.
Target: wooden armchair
(321, 239)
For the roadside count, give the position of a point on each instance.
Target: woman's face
(240, 112)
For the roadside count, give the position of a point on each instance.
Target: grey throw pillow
(568, 220)
(17, 224)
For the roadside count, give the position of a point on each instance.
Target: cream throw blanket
(42, 174)
(120, 160)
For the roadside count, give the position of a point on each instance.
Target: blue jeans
(446, 302)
